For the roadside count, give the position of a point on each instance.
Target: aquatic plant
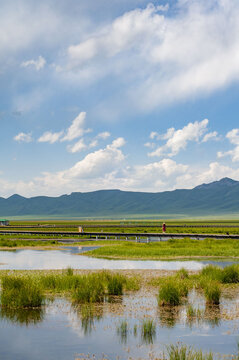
(89, 289)
(183, 352)
(148, 331)
(169, 294)
(122, 331)
(20, 292)
(212, 272)
(230, 274)
(69, 271)
(115, 285)
(182, 274)
(212, 293)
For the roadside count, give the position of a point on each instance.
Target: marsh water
(61, 331)
(24, 259)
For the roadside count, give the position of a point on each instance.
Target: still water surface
(63, 332)
(24, 259)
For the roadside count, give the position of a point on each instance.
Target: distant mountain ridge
(218, 197)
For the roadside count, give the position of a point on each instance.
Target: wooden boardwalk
(120, 235)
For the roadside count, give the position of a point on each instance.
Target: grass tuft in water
(230, 274)
(21, 292)
(182, 274)
(122, 331)
(183, 352)
(212, 293)
(115, 285)
(148, 331)
(90, 289)
(171, 292)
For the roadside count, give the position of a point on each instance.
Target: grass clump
(182, 274)
(212, 293)
(115, 285)
(230, 275)
(21, 292)
(122, 331)
(169, 294)
(183, 352)
(148, 331)
(172, 291)
(90, 289)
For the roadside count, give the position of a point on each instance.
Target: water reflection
(22, 316)
(148, 332)
(24, 259)
(212, 315)
(88, 315)
(122, 332)
(168, 315)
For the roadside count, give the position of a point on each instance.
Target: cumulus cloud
(214, 171)
(23, 137)
(50, 137)
(77, 128)
(78, 146)
(103, 135)
(178, 139)
(38, 64)
(171, 57)
(210, 136)
(233, 137)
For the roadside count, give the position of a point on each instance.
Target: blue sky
(133, 95)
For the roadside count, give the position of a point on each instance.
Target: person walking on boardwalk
(164, 227)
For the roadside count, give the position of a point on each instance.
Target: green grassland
(184, 248)
(171, 249)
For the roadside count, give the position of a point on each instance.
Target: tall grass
(148, 331)
(115, 284)
(183, 352)
(90, 289)
(212, 293)
(21, 292)
(122, 331)
(171, 292)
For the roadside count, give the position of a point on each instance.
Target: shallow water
(63, 332)
(24, 259)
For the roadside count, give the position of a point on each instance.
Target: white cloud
(233, 137)
(50, 137)
(210, 136)
(79, 146)
(103, 135)
(169, 57)
(23, 137)
(149, 144)
(77, 128)
(38, 64)
(215, 171)
(178, 139)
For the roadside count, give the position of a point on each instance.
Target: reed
(21, 292)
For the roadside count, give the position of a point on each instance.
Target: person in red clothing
(164, 227)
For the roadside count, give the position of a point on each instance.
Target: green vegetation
(122, 331)
(169, 249)
(20, 293)
(115, 285)
(148, 331)
(183, 352)
(169, 294)
(4, 242)
(90, 289)
(212, 293)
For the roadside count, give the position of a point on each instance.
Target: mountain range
(216, 198)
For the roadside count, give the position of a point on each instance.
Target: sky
(117, 94)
